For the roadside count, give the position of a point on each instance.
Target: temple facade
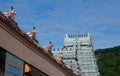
(78, 51)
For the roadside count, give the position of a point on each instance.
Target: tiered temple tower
(78, 49)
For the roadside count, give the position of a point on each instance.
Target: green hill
(108, 61)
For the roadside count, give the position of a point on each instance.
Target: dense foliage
(108, 61)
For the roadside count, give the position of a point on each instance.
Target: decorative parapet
(79, 35)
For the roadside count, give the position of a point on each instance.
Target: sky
(55, 18)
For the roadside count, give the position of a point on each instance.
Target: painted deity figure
(60, 58)
(10, 14)
(77, 71)
(33, 33)
(70, 65)
(49, 48)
